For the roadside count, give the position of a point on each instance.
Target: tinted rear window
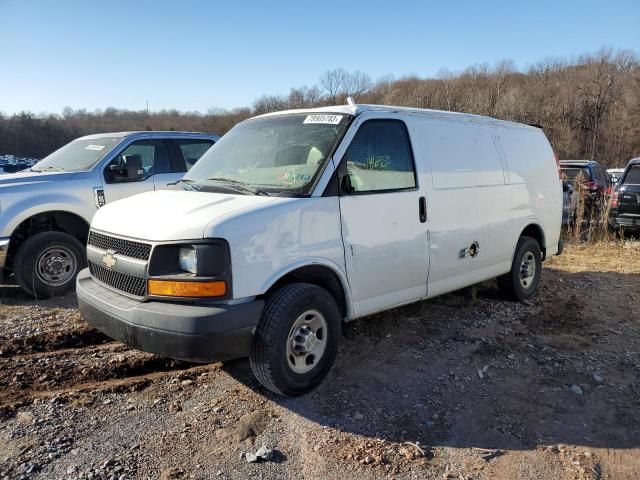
(572, 172)
(633, 176)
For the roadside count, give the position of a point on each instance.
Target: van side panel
(270, 240)
(536, 191)
(467, 199)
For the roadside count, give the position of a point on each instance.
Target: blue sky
(195, 55)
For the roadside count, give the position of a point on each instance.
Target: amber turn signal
(172, 288)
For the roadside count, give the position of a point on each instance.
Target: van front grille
(128, 248)
(121, 281)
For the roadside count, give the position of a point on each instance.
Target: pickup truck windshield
(81, 154)
(280, 154)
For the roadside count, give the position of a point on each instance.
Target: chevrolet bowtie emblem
(109, 260)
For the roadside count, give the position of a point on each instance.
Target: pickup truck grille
(126, 283)
(128, 248)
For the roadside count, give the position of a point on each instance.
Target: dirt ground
(464, 386)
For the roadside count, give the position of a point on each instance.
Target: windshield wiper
(48, 169)
(187, 183)
(238, 185)
(178, 181)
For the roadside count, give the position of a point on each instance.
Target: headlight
(188, 259)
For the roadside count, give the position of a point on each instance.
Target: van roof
(358, 109)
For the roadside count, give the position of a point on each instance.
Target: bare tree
(333, 82)
(499, 79)
(304, 97)
(340, 84)
(355, 84)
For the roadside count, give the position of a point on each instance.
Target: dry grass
(591, 245)
(606, 256)
(590, 221)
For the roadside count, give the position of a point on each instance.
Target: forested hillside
(589, 106)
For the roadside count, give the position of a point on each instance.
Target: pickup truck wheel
(47, 264)
(521, 283)
(296, 340)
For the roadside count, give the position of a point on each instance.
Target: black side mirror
(133, 167)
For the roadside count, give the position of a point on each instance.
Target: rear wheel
(47, 264)
(521, 283)
(296, 340)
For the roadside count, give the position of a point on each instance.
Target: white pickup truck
(45, 211)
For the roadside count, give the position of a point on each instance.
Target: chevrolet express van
(299, 220)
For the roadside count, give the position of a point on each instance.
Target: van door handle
(422, 206)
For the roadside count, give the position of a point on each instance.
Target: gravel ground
(464, 386)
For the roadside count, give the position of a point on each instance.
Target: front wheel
(296, 340)
(521, 283)
(47, 264)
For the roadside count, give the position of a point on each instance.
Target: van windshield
(280, 154)
(79, 155)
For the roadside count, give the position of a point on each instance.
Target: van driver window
(379, 158)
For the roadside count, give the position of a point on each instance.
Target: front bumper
(196, 333)
(631, 222)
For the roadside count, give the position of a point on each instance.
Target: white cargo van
(296, 221)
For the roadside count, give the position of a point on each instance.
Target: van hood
(169, 215)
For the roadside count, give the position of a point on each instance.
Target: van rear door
(383, 214)
(469, 224)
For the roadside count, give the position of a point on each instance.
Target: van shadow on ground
(489, 373)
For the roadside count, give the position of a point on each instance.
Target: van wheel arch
(534, 231)
(56, 221)
(319, 275)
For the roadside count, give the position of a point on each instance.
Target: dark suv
(625, 202)
(594, 180)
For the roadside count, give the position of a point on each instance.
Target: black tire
(31, 256)
(510, 283)
(268, 356)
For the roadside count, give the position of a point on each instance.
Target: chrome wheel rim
(307, 341)
(56, 266)
(527, 270)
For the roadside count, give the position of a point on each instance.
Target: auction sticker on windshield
(323, 118)
(97, 148)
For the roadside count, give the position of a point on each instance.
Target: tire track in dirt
(48, 351)
(95, 367)
(47, 342)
